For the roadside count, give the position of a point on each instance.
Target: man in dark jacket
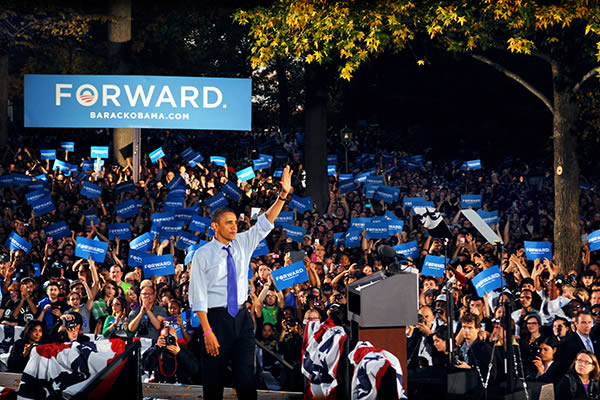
(578, 341)
(170, 362)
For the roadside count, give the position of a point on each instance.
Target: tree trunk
(119, 39)
(3, 99)
(567, 239)
(283, 93)
(315, 137)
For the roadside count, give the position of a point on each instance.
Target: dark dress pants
(236, 340)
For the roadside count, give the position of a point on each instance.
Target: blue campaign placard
(331, 170)
(490, 217)
(90, 190)
(301, 204)
(42, 206)
(395, 226)
(142, 242)
(127, 209)
(487, 280)
(352, 238)
(331, 159)
(173, 203)
(338, 237)
(261, 250)
(217, 201)
(67, 146)
(37, 270)
(388, 194)
(158, 265)
(408, 249)
(87, 165)
(472, 165)
(594, 240)
(156, 154)
(176, 182)
(163, 217)
(124, 187)
(58, 230)
(16, 242)
(260, 164)
(343, 177)
(6, 180)
(199, 224)
(178, 191)
(218, 160)
(296, 233)
(376, 180)
(359, 222)
(535, 250)
(91, 216)
(293, 274)
(195, 159)
(413, 201)
(362, 177)
(172, 228)
(278, 173)
(377, 230)
(122, 231)
(136, 258)
(190, 251)
(187, 153)
(60, 165)
(433, 266)
(284, 217)
(470, 201)
(86, 248)
(48, 154)
(130, 101)
(99, 151)
(232, 191)
(370, 189)
(36, 195)
(185, 215)
(246, 174)
(347, 185)
(186, 240)
(22, 179)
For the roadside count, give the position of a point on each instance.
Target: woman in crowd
(115, 325)
(32, 335)
(581, 382)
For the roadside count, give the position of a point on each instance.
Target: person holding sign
(218, 289)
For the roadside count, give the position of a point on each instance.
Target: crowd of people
(59, 297)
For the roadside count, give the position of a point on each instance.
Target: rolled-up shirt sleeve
(251, 238)
(198, 296)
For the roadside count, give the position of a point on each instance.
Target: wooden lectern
(380, 306)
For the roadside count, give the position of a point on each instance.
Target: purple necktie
(232, 303)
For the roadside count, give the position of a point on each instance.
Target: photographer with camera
(170, 362)
(68, 329)
(290, 347)
(531, 337)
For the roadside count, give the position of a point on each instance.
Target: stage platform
(167, 391)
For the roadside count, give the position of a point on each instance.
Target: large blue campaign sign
(16, 242)
(58, 230)
(535, 250)
(262, 249)
(490, 217)
(158, 265)
(122, 231)
(121, 101)
(289, 276)
(470, 200)
(487, 280)
(433, 266)
(86, 248)
(301, 204)
(409, 249)
(594, 239)
(142, 242)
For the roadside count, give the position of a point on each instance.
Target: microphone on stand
(390, 252)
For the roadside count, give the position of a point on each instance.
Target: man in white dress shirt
(217, 291)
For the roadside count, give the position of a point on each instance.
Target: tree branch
(587, 76)
(516, 78)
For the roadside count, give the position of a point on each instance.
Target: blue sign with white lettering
(199, 224)
(163, 217)
(261, 164)
(359, 223)
(408, 249)
(22, 179)
(332, 159)
(377, 230)
(217, 201)
(487, 280)
(186, 240)
(278, 173)
(414, 202)
(67, 146)
(261, 250)
(535, 250)
(470, 201)
(331, 170)
(36, 195)
(120, 101)
(293, 274)
(58, 230)
(370, 189)
(352, 238)
(490, 217)
(122, 231)
(124, 187)
(127, 209)
(347, 185)
(99, 151)
(301, 204)
(472, 165)
(47, 154)
(90, 190)
(284, 217)
(168, 229)
(158, 265)
(156, 154)
(232, 191)
(388, 194)
(433, 266)
(142, 242)
(395, 226)
(86, 248)
(136, 258)
(296, 233)
(594, 240)
(246, 174)
(218, 160)
(16, 242)
(42, 206)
